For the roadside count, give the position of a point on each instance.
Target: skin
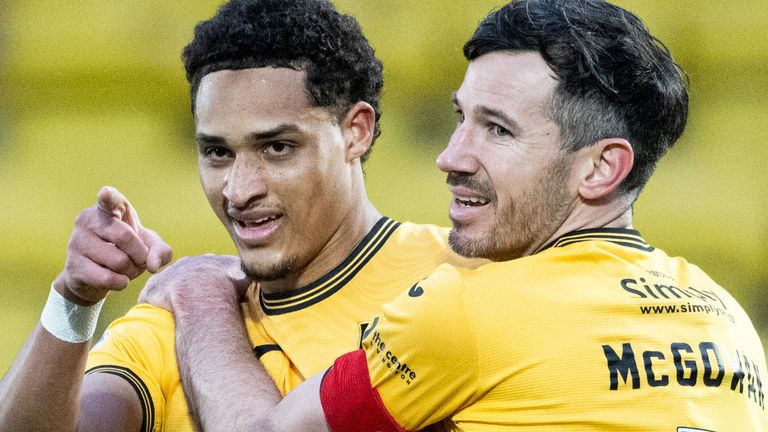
(515, 188)
(266, 154)
(44, 389)
(505, 166)
(504, 156)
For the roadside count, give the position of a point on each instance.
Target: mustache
(469, 182)
(233, 210)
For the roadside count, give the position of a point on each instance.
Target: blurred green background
(92, 92)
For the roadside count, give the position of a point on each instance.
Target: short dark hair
(615, 79)
(308, 35)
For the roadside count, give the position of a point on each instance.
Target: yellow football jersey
(599, 331)
(295, 334)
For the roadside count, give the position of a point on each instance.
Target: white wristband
(68, 321)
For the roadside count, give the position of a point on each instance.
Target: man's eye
(500, 131)
(217, 152)
(277, 148)
(459, 117)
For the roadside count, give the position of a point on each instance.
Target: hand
(108, 248)
(206, 280)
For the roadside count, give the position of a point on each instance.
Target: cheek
(321, 190)
(329, 176)
(213, 184)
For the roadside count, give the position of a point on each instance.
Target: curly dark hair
(615, 79)
(308, 35)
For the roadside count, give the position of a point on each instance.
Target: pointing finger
(114, 204)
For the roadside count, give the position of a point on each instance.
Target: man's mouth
(255, 230)
(471, 201)
(256, 223)
(468, 205)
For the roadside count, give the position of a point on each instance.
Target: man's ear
(606, 165)
(358, 127)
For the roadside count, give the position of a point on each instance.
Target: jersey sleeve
(418, 364)
(139, 347)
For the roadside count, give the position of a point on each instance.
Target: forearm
(41, 390)
(45, 389)
(227, 388)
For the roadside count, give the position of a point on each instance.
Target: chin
(467, 246)
(492, 246)
(259, 271)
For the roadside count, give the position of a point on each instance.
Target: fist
(108, 248)
(205, 280)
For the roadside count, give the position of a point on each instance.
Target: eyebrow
(285, 128)
(202, 138)
(489, 112)
(492, 112)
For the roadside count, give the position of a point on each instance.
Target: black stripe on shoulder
(147, 406)
(260, 350)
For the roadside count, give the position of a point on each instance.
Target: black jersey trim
(621, 236)
(147, 406)
(319, 290)
(260, 350)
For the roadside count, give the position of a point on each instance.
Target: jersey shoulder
(139, 347)
(143, 329)
(429, 240)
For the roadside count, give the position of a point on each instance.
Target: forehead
(258, 94)
(504, 80)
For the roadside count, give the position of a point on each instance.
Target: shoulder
(431, 239)
(143, 331)
(409, 232)
(433, 302)
(145, 317)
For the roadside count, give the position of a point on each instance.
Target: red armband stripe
(350, 402)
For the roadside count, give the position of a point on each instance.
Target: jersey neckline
(620, 236)
(292, 300)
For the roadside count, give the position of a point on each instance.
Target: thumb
(114, 204)
(160, 253)
(241, 281)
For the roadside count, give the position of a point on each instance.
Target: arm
(42, 389)
(220, 374)
(227, 388)
(48, 373)
(230, 389)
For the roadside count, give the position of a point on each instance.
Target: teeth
(472, 201)
(255, 222)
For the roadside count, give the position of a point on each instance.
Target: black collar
(621, 236)
(289, 301)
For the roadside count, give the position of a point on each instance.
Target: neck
(358, 221)
(589, 215)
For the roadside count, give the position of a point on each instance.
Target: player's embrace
(580, 324)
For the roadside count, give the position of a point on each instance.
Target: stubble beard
(266, 273)
(535, 215)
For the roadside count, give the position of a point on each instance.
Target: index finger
(114, 204)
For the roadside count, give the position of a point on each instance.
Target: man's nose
(458, 156)
(245, 182)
